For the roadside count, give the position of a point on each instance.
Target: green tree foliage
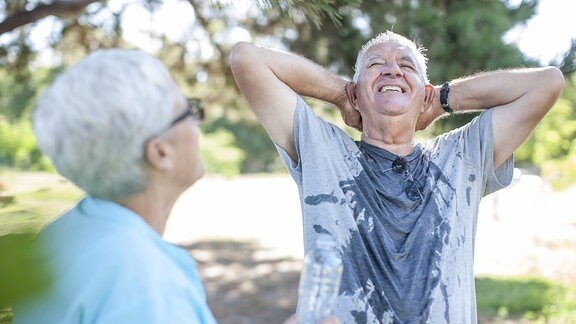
(77, 27)
(220, 154)
(315, 10)
(462, 37)
(552, 146)
(568, 63)
(17, 143)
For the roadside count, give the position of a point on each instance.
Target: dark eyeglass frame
(195, 109)
(412, 188)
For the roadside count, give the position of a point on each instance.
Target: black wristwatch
(444, 98)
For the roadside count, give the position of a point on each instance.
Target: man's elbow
(554, 81)
(241, 56)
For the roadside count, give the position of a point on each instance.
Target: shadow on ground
(245, 282)
(249, 284)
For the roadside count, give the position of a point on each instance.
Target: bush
(552, 146)
(259, 154)
(18, 146)
(220, 154)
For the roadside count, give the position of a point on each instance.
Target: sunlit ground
(526, 229)
(245, 234)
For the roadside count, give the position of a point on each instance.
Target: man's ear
(351, 94)
(429, 95)
(158, 154)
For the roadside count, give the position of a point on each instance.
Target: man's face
(390, 83)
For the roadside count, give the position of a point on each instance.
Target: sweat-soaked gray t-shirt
(405, 260)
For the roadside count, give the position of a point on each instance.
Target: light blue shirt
(112, 267)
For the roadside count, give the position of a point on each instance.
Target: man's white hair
(94, 120)
(390, 36)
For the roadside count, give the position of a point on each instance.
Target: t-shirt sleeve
(475, 141)
(313, 138)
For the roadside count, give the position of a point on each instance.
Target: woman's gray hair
(390, 36)
(94, 120)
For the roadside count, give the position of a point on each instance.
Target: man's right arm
(271, 81)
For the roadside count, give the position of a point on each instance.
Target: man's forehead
(378, 50)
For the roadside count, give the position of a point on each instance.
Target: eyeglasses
(412, 188)
(195, 109)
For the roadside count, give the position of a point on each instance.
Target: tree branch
(57, 8)
(204, 22)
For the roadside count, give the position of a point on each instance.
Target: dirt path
(246, 235)
(245, 284)
(525, 229)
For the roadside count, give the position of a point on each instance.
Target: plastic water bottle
(319, 281)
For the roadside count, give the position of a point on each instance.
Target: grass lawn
(524, 299)
(39, 197)
(34, 199)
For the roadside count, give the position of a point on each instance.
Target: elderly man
(118, 126)
(403, 214)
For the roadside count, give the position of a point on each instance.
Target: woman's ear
(351, 94)
(158, 154)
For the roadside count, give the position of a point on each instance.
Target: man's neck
(392, 133)
(400, 142)
(400, 149)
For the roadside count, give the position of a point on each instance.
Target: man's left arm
(520, 99)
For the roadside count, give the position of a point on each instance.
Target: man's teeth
(390, 88)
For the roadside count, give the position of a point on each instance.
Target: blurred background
(242, 221)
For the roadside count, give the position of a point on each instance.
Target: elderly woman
(118, 127)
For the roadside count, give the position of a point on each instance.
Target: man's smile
(387, 88)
